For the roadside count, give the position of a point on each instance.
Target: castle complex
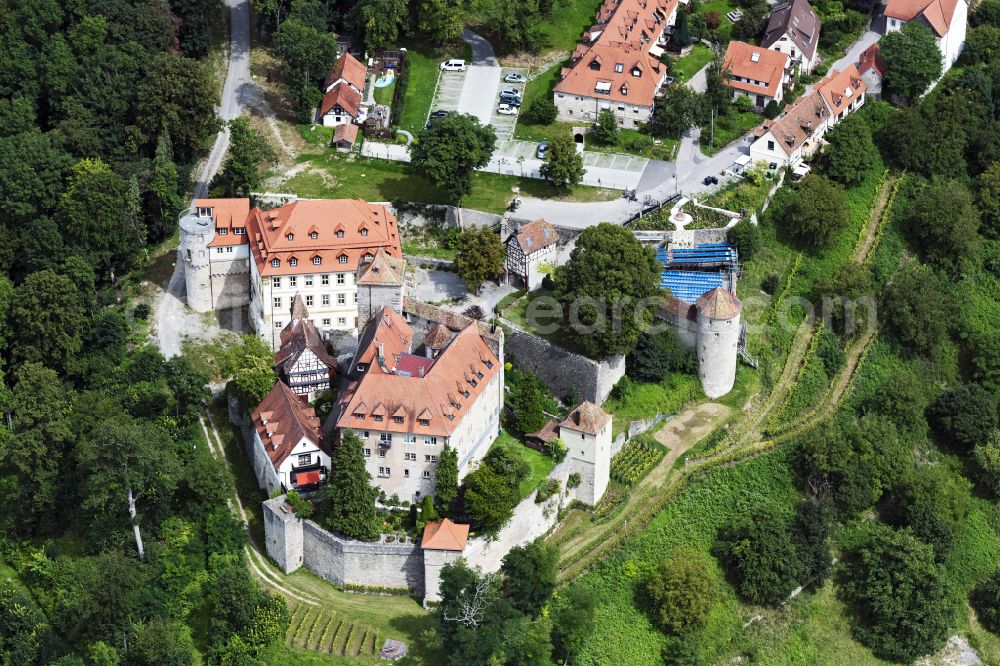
(234, 256)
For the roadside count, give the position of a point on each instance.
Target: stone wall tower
(586, 432)
(197, 232)
(717, 340)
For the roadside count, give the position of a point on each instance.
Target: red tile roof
(227, 214)
(719, 304)
(441, 397)
(623, 35)
(534, 236)
(383, 269)
(588, 418)
(344, 96)
(282, 420)
(445, 535)
(366, 228)
(297, 336)
(346, 132)
(839, 89)
(799, 122)
(938, 13)
(348, 68)
(871, 58)
(747, 61)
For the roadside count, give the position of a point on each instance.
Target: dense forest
(105, 105)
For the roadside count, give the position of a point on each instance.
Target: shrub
(964, 416)
(681, 592)
(770, 283)
(546, 488)
(985, 598)
(541, 111)
(573, 481)
(658, 354)
(302, 507)
(745, 235)
(772, 110)
(142, 311)
(743, 104)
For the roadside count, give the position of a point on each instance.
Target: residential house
(871, 65)
(528, 247)
(407, 402)
(756, 72)
(289, 448)
(616, 67)
(794, 136)
(946, 19)
(797, 134)
(343, 93)
(843, 92)
(302, 362)
(793, 28)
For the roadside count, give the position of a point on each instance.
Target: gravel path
(171, 316)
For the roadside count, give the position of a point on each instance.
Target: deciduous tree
(815, 212)
(178, 96)
(912, 60)
(949, 242)
(759, 551)
(562, 165)
(540, 111)
(450, 150)
(46, 319)
(446, 481)
(250, 155)
(985, 598)
(251, 366)
(379, 22)
(306, 55)
(851, 154)
(530, 576)
(988, 199)
(963, 416)
(480, 256)
(681, 591)
(676, 111)
(605, 130)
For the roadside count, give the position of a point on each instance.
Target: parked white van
(453, 66)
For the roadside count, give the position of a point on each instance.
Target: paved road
(482, 79)
(853, 54)
(235, 92)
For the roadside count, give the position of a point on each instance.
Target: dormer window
(204, 211)
(275, 263)
(397, 419)
(359, 415)
(636, 72)
(619, 67)
(424, 422)
(369, 256)
(314, 235)
(364, 232)
(293, 262)
(317, 261)
(474, 383)
(342, 259)
(239, 231)
(465, 393)
(594, 65)
(378, 418)
(223, 231)
(479, 374)
(290, 237)
(340, 233)
(489, 365)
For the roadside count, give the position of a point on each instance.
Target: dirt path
(579, 538)
(870, 235)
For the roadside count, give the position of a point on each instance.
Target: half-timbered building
(303, 362)
(528, 247)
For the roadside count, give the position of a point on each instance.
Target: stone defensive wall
(563, 370)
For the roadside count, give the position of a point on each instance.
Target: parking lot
(477, 91)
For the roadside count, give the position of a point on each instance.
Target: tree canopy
(449, 151)
(563, 164)
(480, 256)
(912, 59)
(681, 591)
(347, 502)
(851, 154)
(814, 212)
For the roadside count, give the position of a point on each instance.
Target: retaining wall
(349, 562)
(562, 370)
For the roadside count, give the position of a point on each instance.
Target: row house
(408, 401)
(616, 67)
(798, 133)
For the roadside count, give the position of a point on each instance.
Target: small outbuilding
(344, 137)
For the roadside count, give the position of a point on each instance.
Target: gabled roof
(268, 234)
(839, 89)
(719, 304)
(938, 13)
(799, 21)
(535, 236)
(383, 270)
(438, 337)
(624, 33)
(871, 59)
(438, 391)
(588, 418)
(747, 61)
(344, 96)
(282, 420)
(798, 124)
(299, 335)
(445, 535)
(345, 132)
(348, 68)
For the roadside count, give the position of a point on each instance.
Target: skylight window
(755, 56)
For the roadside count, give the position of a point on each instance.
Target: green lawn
(422, 62)
(335, 175)
(384, 95)
(564, 28)
(728, 128)
(726, 29)
(541, 464)
(689, 65)
(645, 400)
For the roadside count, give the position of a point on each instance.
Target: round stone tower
(197, 232)
(718, 338)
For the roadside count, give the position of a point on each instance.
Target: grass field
(332, 175)
(727, 129)
(689, 65)
(646, 400)
(562, 30)
(422, 62)
(541, 464)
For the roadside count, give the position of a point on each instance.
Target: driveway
(854, 53)
(482, 79)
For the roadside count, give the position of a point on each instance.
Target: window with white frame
(309, 300)
(325, 299)
(368, 453)
(430, 458)
(293, 281)
(277, 324)
(305, 459)
(340, 278)
(277, 301)
(341, 299)
(324, 279)
(427, 474)
(317, 261)
(239, 231)
(293, 262)
(326, 321)
(410, 456)
(342, 259)
(275, 263)
(341, 321)
(309, 280)
(276, 282)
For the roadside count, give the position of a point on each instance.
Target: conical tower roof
(299, 310)
(719, 304)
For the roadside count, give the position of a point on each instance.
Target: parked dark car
(512, 101)
(439, 114)
(710, 180)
